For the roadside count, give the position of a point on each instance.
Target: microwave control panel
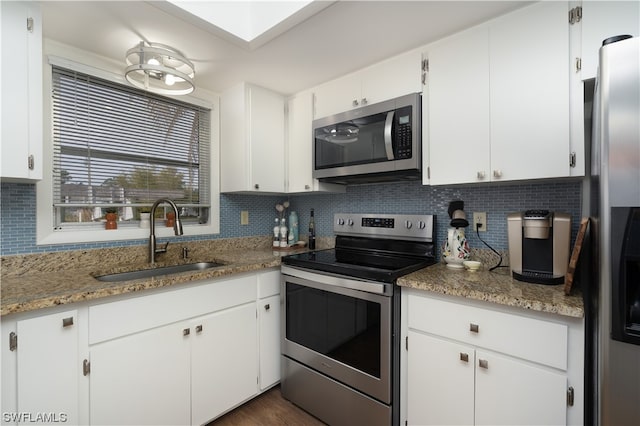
(402, 136)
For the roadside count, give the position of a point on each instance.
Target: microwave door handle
(388, 140)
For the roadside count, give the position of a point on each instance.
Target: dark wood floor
(268, 409)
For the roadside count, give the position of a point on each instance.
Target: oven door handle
(368, 286)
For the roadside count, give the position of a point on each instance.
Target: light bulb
(169, 79)
(153, 61)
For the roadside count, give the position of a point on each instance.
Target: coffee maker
(539, 246)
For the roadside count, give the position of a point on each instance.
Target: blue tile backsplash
(18, 210)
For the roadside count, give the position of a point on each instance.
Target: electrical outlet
(244, 217)
(480, 218)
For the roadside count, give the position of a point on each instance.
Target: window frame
(45, 221)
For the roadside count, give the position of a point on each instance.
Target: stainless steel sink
(155, 272)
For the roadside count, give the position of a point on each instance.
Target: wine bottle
(312, 232)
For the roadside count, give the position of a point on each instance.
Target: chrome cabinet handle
(186, 331)
(354, 103)
(364, 101)
(464, 357)
(497, 173)
(483, 363)
(481, 175)
(199, 328)
(307, 187)
(67, 322)
(474, 328)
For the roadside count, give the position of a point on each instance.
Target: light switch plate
(244, 217)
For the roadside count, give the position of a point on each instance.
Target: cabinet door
(601, 20)
(398, 76)
(511, 392)
(457, 105)
(300, 143)
(141, 379)
(21, 87)
(529, 78)
(224, 369)
(337, 95)
(269, 323)
(48, 366)
(440, 381)
(266, 135)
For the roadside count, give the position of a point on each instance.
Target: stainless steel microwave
(379, 142)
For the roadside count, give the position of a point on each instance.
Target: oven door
(341, 332)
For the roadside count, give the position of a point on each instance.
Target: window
(119, 148)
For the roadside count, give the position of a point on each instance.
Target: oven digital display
(376, 222)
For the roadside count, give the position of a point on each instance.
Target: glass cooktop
(369, 265)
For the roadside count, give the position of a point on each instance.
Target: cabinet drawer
(532, 339)
(116, 319)
(268, 283)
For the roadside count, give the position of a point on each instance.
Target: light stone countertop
(496, 287)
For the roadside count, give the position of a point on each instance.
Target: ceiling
(337, 39)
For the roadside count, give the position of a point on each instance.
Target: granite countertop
(34, 282)
(496, 287)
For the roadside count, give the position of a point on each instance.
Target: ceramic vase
(455, 249)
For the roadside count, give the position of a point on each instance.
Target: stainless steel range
(341, 322)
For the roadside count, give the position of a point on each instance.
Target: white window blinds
(117, 147)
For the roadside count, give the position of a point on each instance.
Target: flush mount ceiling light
(159, 68)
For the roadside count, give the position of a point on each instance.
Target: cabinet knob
(474, 328)
(256, 186)
(267, 307)
(354, 102)
(67, 322)
(481, 175)
(199, 328)
(483, 363)
(307, 187)
(497, 173)
(186, 331)
(364, 101)
(464, 357)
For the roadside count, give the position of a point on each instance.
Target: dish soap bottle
(312, 232)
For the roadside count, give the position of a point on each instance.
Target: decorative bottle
(283, 232)
(312, 232)
(276, 234)
(293, 228)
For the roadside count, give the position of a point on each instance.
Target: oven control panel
(401, 226)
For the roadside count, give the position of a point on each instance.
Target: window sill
(70, 236)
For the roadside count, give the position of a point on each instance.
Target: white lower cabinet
(467, 365)
(141, 379)
(40, 369)
(224, 362)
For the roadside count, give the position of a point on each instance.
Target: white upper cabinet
(397, 76)
(252, 140)
(601, 20)
(21, 87)
(529, 80)
(300, 148)
(456, 109)
(497, 100)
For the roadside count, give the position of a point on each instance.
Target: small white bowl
(472, 265)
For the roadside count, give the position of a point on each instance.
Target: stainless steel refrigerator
(612, 299)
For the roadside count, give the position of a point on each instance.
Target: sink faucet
(177, 228)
